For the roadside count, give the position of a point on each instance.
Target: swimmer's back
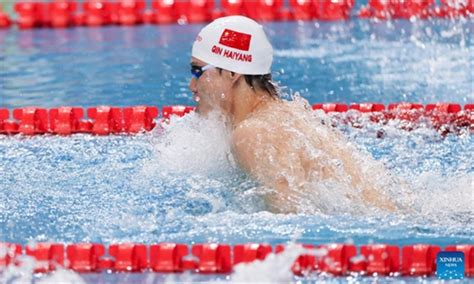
(286, 146)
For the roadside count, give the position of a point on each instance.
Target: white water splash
(62, 276)
(275, 268)
(445, 201)
(192, 144)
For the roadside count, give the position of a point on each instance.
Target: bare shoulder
(249, 139)
(261, 125)
(250, 132)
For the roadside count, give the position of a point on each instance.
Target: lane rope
(66, 13)
(446, 118)
(336, 259)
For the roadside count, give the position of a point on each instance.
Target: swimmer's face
(211, 90)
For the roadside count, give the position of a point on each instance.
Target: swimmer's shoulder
(266, 125)
(256, 129)
(250, 127)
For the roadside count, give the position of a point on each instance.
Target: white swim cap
(235, 43)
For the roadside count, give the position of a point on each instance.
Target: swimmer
(277, 142)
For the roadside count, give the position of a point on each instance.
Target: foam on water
(203, 145)
(438, 171)
(275, 268)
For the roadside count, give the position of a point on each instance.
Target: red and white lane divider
(102, 120)
(335, 259)
(68, 13)
(446, 118)
(422, 9)
(106, 120)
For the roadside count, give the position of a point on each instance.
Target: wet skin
(282, 144)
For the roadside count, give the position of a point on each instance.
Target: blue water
(348, 61)
(178, 185)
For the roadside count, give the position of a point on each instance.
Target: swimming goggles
(197, 71)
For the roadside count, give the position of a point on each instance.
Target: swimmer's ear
(235, 77)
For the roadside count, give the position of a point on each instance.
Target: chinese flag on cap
(235, 40)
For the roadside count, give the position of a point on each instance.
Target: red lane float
(163, 11)
(48, 256)
(31, 120)
(130, 12)
(368, 107)
(5, 21)
(331, 258)
(422, 9)
(85, 257)
(66, 120)
(105, 120)
(404, 106)
(444, 117)
(337, 259)
(213, 258)
(381, 259)
(232, 7)
(102, 120)
(305, 263)
(334, 10)
(62, 13)
(199, 11)
(263, 10)
(406, 113)
(180, 10)
(396, 9)
(375, 111)
(4, 115)
(98, 12)
(303, 10)
(250, 252)
(168, 257)
(419, 260)
(139, 118)
(334, 259)
(331, 107)
(168, 111)
(128, 257)
(454, 9)
(9, 254)
(28, 14)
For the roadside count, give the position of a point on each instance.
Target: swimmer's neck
(247, 101)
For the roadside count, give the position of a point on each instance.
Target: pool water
(179, 183)
(354, 61)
